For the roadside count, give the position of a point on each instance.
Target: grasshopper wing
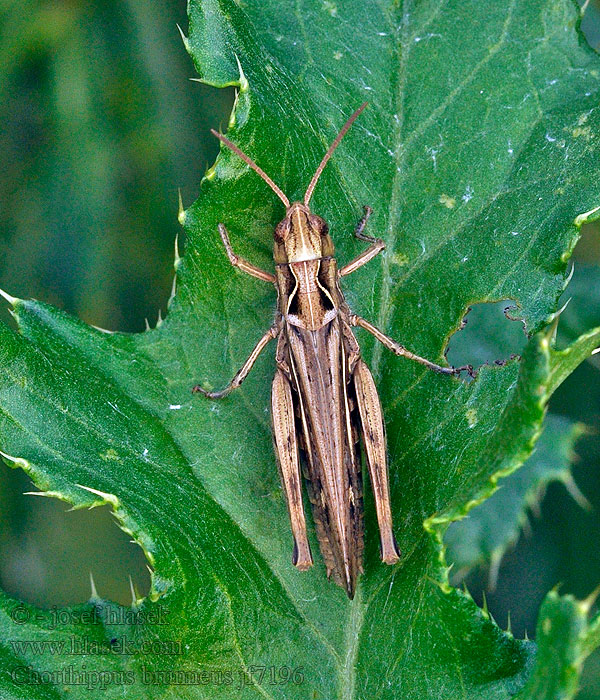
(320, 376)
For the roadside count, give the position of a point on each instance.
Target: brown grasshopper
(323, 394)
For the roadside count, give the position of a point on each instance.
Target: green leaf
(493, 527)
(564, 638)
(478, 153)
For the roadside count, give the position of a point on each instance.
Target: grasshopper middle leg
(244, 370)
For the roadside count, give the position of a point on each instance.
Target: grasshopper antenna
(253, 165)
(332, 148)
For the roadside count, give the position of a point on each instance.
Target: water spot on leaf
(418, 39)
(330, 7)
(468, 195)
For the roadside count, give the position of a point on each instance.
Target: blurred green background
(100, 128)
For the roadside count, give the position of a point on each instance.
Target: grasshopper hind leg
(400, 350)
(286, 449)
(373, 431)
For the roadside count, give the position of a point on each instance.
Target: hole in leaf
(489, 336)
(47, 551)
(590, 23)
(582, 312)
(586, 250)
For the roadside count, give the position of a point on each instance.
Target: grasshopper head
(301, 235)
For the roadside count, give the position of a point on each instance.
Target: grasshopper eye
(319, 225)
(282, 229)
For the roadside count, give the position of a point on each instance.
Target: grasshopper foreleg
(286, 450)
(244, 370)
(377, 245)
(242, 264)
(401, 350)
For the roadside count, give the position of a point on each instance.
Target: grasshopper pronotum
(323, 394)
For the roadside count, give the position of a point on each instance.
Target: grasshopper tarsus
(464, 368)
(212, 394)
(454, 371)
(360, 227)
(377, 245)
